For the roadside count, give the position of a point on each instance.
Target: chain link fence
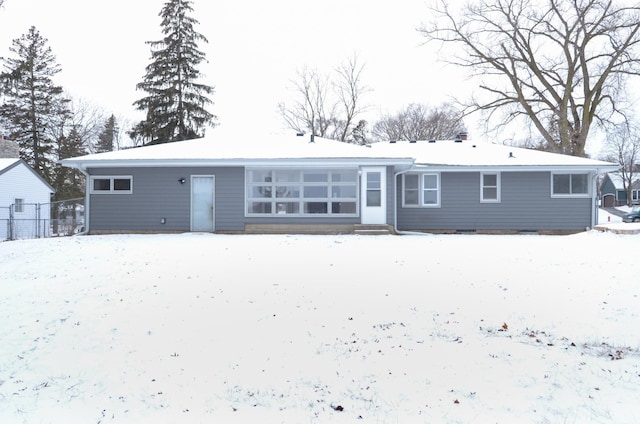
(39, 220)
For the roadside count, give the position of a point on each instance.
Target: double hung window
(490, 187)
(421, 190)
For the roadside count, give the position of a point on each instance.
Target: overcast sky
(255, 49)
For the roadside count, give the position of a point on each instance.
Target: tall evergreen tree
(68, 182)
(175, 104)
(33, 103)
(107, 137)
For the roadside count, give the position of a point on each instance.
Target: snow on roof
(5, 163)
(616, 179)
(476, 154)
(618, 183)
(290, 147)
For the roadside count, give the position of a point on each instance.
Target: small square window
(101, 184)
(121, 184)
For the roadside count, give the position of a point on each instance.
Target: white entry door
(374, 195)
(202, 203)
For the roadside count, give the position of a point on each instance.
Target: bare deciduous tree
(311, 111)
(420, 122)
(560, 64)
(86, 119)
(327, 107)
(623, 147)
(349, 92)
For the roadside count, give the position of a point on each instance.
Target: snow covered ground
(208, 328)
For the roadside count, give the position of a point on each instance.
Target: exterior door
(202, 203)
(374, 195)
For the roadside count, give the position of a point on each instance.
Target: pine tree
(32, 102)
(359, 133)
(175, 104)
(107, 137)
(68, 182)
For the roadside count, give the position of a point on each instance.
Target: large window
(280, 192)
(111, 184)
(490, 187)
(421, 190)
(570, 185)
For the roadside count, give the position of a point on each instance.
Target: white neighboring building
(25, 199)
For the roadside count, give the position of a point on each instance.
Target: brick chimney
(8, 149)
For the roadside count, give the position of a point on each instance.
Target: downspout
(395, 207)
(86, 201)
(594, 201)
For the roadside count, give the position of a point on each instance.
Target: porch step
(372, 229)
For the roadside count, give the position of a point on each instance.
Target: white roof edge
(514, 168)
(330, 162)
(148, 163)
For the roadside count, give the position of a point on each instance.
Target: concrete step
(372, 230)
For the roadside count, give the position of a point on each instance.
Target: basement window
(111, 184)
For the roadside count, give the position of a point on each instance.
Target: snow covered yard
(315, 329)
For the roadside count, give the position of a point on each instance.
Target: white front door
(374, 195)
(202, 203)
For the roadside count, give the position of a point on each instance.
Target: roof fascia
(516, 168)
(318, 162)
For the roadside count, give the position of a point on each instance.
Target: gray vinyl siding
(157, 194)
(391, 193)
(526, 205)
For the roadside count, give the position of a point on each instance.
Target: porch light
(182, 180)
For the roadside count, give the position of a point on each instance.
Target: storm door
(202, 203)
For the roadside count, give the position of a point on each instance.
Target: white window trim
(571, 195)
(301, 200)
(111, 178)
(421, 189)
(498, 198)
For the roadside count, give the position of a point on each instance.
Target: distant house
(295, 183)
(612, 191)
(24, 201)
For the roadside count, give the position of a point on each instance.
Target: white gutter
(227, 162)
(395, 206)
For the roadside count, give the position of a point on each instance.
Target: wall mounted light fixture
(182, 180)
